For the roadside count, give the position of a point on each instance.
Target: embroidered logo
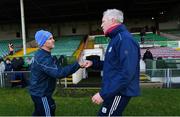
(110, 49)
(126, 52)
(104, 110)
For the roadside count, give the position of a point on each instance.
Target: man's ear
(113, 20)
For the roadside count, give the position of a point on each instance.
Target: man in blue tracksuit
(120, 68)
(44, 72)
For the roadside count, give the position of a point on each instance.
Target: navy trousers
(114, 106)
(44, 106)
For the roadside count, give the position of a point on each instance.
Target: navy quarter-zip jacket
(44, 73)
(121, 67)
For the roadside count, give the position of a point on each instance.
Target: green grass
(152, 102)
(15, 102)
(155, 102)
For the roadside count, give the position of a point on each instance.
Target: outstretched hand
(86, 64)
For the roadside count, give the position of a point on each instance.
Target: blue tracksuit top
(45, 71)
(121, 65)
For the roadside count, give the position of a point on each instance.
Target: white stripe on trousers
(114, 105)
(48, 109)
(46, 106)
(117, 102)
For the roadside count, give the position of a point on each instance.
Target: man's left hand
(97, 99)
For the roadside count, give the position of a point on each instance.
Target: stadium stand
(150, 37)
(66, 45)
(164, 52)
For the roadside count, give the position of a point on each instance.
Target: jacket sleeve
(128, 55)
(97, 64)
(56, 71)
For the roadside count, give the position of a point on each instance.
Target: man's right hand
(86, 64)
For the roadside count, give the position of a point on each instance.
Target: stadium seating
(164, 52)
(101, 40)
(150, 37)
(66, 45)
(172, 31)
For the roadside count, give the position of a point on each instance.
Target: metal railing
(20, 79)
(168, 77)
(14, 78)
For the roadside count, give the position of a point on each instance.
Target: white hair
(114, 13)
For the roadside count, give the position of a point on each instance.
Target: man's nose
(101, 26)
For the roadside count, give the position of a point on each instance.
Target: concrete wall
(169, 25)
(58, 29)
(81, 27)
(134, 23)
(9, 31)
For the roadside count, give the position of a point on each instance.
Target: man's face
(50, 43)
(106, 24)
(7, 61)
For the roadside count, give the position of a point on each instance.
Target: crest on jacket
(110, 49)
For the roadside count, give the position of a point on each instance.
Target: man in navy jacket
(120, 68)
(44, 72)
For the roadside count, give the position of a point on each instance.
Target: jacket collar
(110, 29)
(44, 51)
(118, 28)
